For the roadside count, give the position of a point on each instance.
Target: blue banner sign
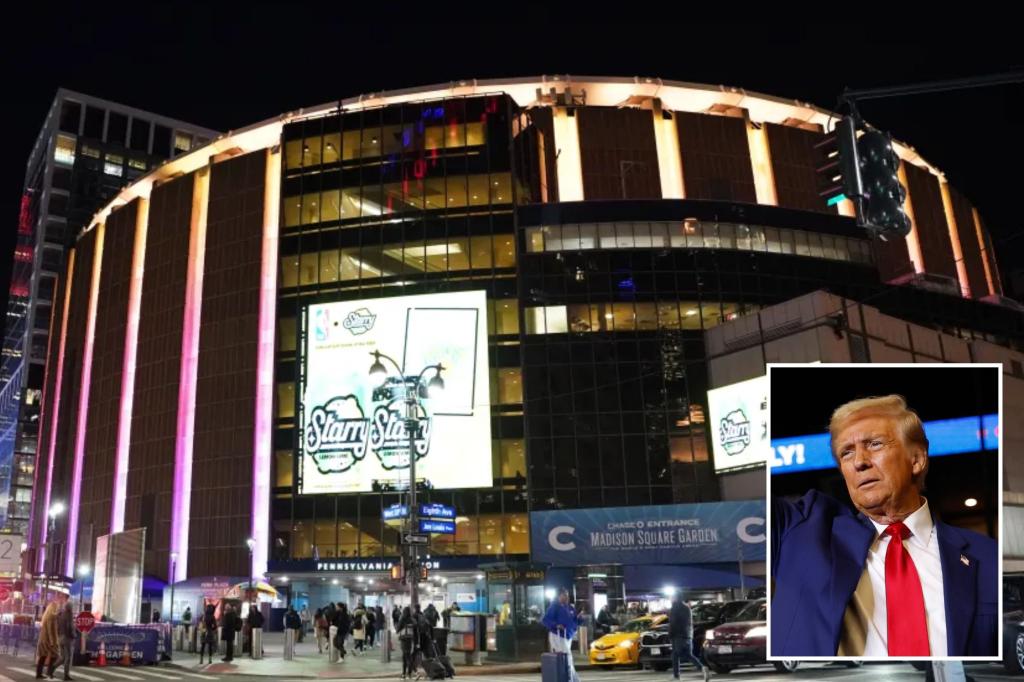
(396, 511)
(142, 643)
(437, 511)
(709, 532)
(945, 437)
(433, 526)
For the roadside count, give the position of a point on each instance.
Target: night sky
(227, 67)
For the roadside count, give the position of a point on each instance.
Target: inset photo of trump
(885, 491)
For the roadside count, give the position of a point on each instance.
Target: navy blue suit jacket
(819, 549)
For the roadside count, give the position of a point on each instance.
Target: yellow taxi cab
(622, 647)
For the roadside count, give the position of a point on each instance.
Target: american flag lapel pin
(964, 560)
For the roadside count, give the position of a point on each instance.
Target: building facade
(87, 151)
(610, 223)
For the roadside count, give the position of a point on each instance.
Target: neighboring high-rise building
(87, 150)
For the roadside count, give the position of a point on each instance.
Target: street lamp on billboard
(174, 572)
(83, 573)
(414, 390)
(251, 543)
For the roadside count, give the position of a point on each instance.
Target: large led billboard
(354, 437)
(739, 423)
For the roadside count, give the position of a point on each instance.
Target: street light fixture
(414, 390)
(251, 543)
(174, 573)
(83, 572)
(55, 510)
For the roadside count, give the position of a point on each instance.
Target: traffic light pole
(950, 85)
(411, 426)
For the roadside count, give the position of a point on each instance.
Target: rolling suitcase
(554, 667)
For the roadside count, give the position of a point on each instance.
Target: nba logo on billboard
(321, 324)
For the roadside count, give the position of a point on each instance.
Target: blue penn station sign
(708, 532)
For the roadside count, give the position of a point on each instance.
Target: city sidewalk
(309, 663)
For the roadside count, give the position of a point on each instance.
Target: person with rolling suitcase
(561, 621)
(432, 667)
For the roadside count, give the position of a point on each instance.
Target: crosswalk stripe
(23, 671)
(156, 674)
(197, 675)
(86, 676)
(113, 673)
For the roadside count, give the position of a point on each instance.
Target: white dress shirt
(865, 617)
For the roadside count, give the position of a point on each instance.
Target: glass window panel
(438, 255)
(624, 238)
(727, 235)
(64, 149)
(659, 235)
(286, 334)
(642, 235)
(689, 315)
(504, 251)
(480, 252)
(330, 208)
(743, 237)
(555, 319)
(843, 248)
(329, 265)
(293, 154)
(433, 137)
(646, 316)
(478, 190)
(506, 316)
(350, 263)
(501, 188)
(757, 238)
(787, 241)
(289, 271)
(534, 239)
(677, 234)
(458, 254)
(371, 262)
(332, 148)
(828, 246)
(711, 240)
(283, 468)
(571, 237)
(350, 144)
(579, 318)
(308, 268)
(352, 204)
(534, 320)
(456, 189)
(517, 534)
(772, 241)
(285, 400)
(623, 316)
(292, 211)
(607, 235)
(310, 208)
(802, 248)
(454, 135)
(475, 134)
(510, 386)
(711, 314)
(415, 256)
(588, 236)
(668, 315)
(311, 151)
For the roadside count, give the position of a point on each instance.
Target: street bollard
(334, 653)
(289, 644)
(256, 647)
(222, 645)
(385, 645)
(584, 639)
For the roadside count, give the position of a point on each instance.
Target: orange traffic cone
(101, 660)
(126, 657)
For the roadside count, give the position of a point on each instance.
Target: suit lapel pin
(964, 560)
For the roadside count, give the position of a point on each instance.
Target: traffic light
(838, 169)
(883, 197)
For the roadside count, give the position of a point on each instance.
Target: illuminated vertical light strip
(182, 500)
(913, 240)
(567, 159)
(83, 405)
(56, 411)
(761, 165)
(989, 267)
(131, 339)
(669, 164)
(954, 239)
(264, 424)
(32, 515)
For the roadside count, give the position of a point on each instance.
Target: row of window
(113, 164)
(695, 234)
(630, 315)
(426, 194)
(371, 143)
(404, 258)
(111, 126)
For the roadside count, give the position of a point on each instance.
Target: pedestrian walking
(66, 631)
(406, 629)
(359, 629)
(680, 631)
(562, 621)
(230, 625)
(48, 646)
(343, 622)
(208, 634)
(371, 626)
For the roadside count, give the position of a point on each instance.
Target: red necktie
(904, 600)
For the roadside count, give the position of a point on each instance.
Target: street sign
(437, 511)
(85, 621)
(396, 511)
(415, 539)
(432, 526)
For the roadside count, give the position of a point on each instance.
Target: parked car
(742, 641)
(622, 647)
(1013, 623)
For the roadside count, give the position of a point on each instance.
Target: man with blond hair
(888, 578)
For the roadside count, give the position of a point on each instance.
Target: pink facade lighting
(264, 422)
(131, 339)
(182, 499)
(83, 406)
(41, 554)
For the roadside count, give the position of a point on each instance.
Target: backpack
(357, 622)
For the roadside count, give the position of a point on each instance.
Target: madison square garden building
(560, 246)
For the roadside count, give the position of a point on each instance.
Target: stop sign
(85, 621)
